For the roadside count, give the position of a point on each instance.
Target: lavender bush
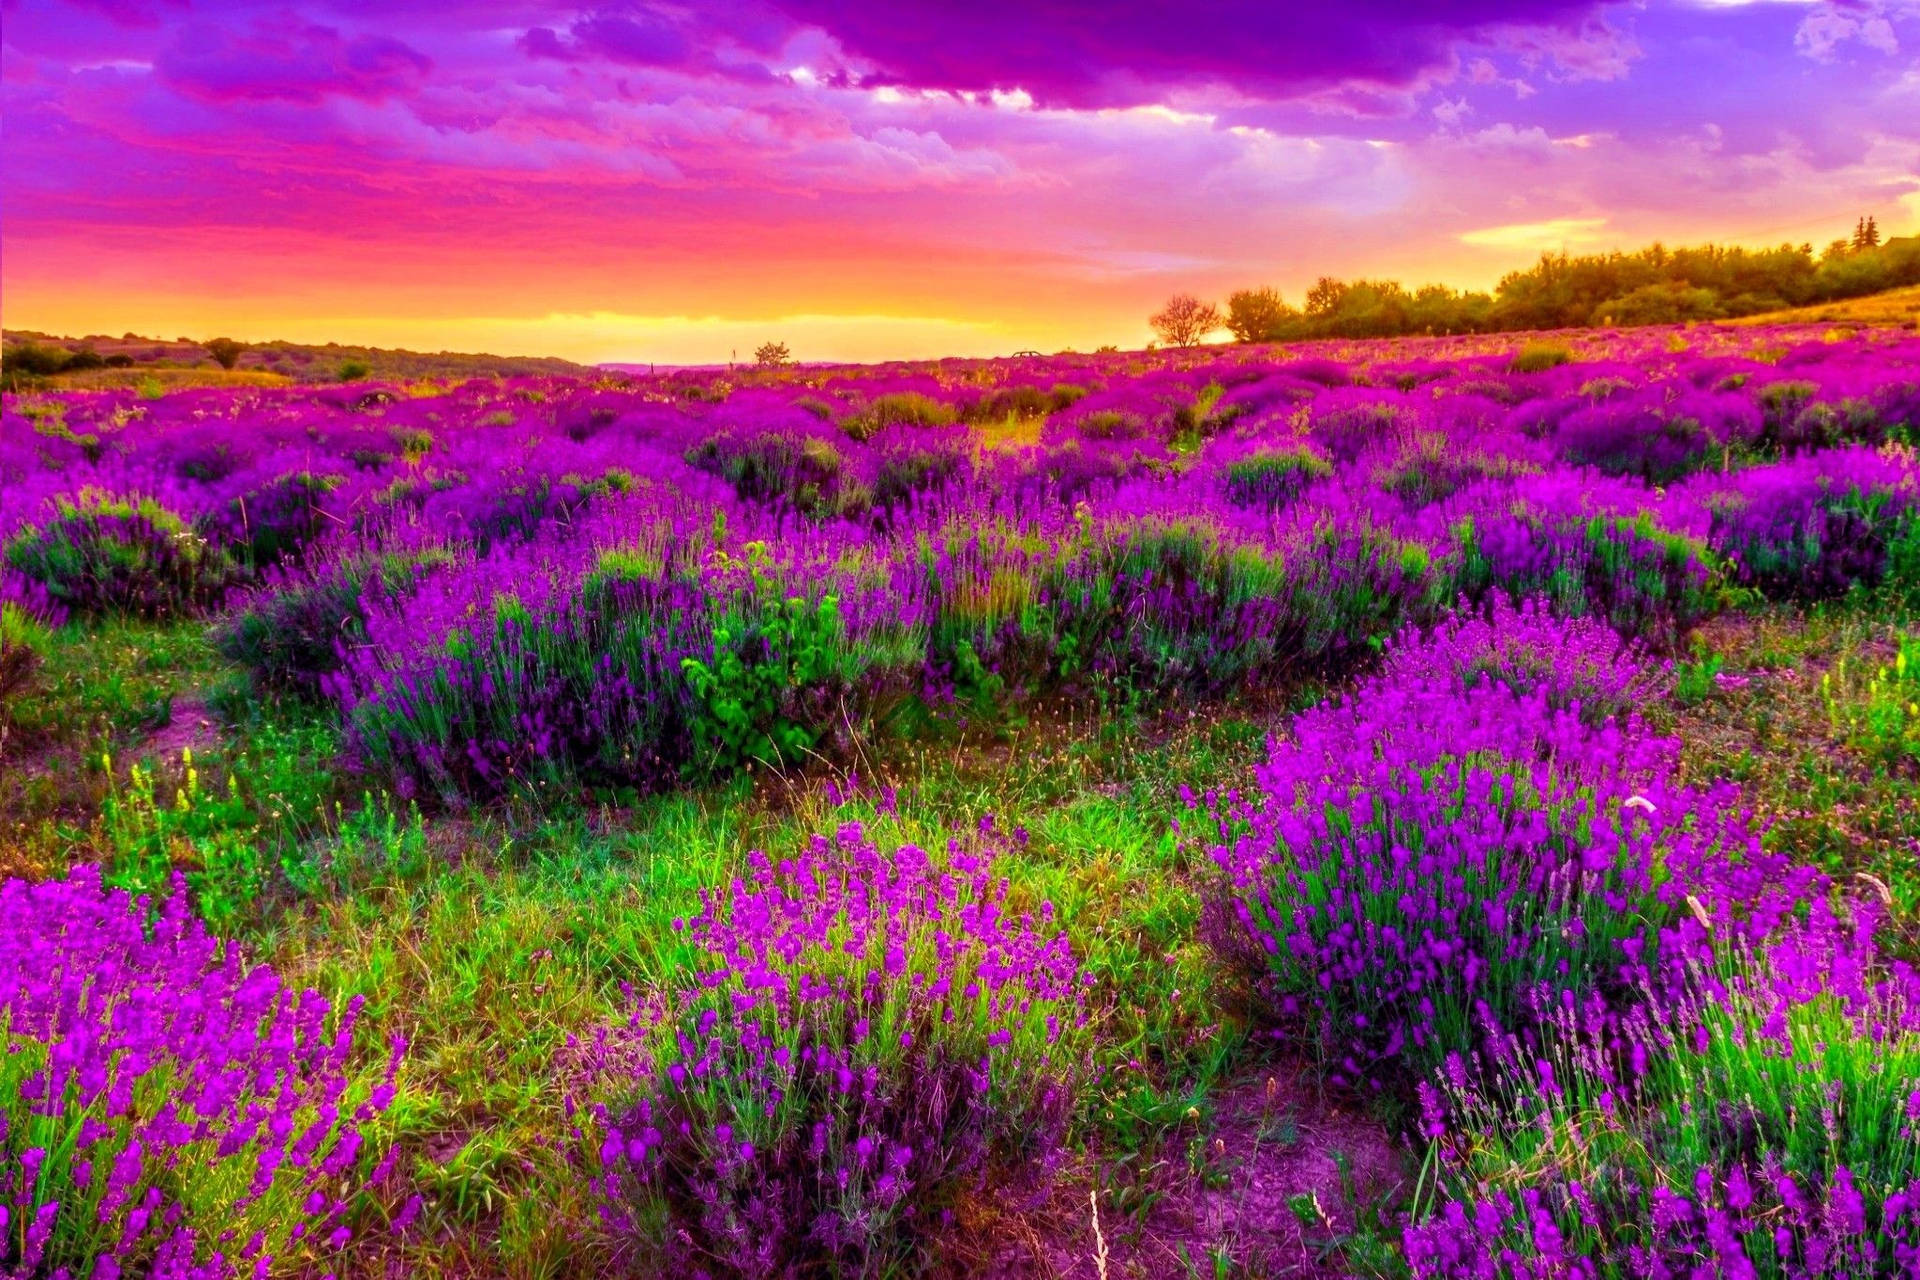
(102, 554)
(1455, 847)
(869, 1030)
(165, 1109)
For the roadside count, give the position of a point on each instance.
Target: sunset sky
(868, 180)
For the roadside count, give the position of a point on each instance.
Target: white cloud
(1831, 25)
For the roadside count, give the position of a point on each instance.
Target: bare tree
(1185, 320)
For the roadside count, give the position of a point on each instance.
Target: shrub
(1350, 587)
(868, 1031)
(164, 1108)
(898, 408)
(1111, 424)
(1020, 402)
(1433, 468)
(772, 654)
(354, 370)
(1780, 404)
(784, 468)
(290, 632)
(1152, 606)
(584, 688)
(102, 554)
(909, 470)
(632, 673)
(1347, 427)
(1578, 663)
(226, 352)
(25, 361)
(1268, 480)
(1538, 357)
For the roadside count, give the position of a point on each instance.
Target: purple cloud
(642, 40)
(1135, 51)
(292, 62)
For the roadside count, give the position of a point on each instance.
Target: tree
(1185, 320)
(771, 355)
(1325, 296)
(353, 370)
(225, 351)
(1257, 315)
(22, 365)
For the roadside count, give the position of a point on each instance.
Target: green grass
(103, 681)
(1802, 718)
(489, 943)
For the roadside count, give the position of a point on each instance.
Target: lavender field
(1427, 807)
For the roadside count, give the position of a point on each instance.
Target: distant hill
(1898, 308)
(131, 359)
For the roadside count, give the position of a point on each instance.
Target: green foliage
(1847, 809)
(354, 370)
(114, 677)
(375, 843)
(1655, 285)
(208, 833)
(26, 365)
(757, 699)
(1694, 682)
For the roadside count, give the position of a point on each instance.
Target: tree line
(1654, 285)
